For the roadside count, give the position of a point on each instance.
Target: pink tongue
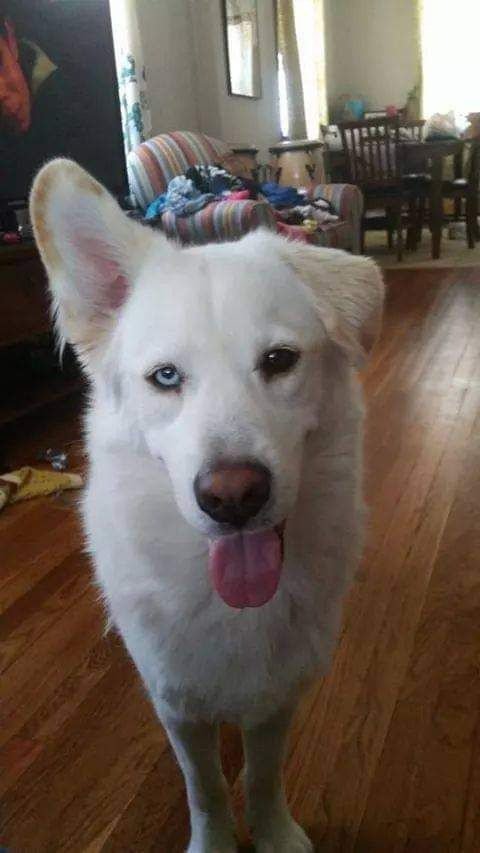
(245, 567)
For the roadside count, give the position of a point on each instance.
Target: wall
(231, 118)
(187, 82)
(372, 50)
(167, 41)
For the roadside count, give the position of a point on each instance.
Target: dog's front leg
(274, 830)
(196, 748)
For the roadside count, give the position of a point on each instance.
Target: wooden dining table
(418, 154)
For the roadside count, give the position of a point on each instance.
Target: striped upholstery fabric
(153, 164)
(336, 235)
(347, 202)
(218, 221)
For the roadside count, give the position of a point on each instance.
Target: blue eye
(167, 378)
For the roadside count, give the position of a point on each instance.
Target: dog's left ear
(348, 292)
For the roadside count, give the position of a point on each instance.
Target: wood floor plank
(30, 616)
(82, 780)
(35, 677)
(157, 815)
(40, 542)
(42, 726)
(432, 737)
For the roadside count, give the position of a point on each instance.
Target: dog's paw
(282, 836)
(212, 838)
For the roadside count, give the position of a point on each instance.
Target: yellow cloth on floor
(31, 483)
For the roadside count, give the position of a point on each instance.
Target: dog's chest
(211, 661)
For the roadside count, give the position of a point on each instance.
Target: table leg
(457, 173)
(436, 205)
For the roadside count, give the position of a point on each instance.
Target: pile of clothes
(189, 193)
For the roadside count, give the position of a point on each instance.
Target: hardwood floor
(385, 753)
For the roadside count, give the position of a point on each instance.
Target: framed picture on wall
(240, 31)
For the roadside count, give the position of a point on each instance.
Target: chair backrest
(371, 150)
(413, 129)
(152, 164)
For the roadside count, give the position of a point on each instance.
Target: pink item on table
(295, 232)
(238, 195)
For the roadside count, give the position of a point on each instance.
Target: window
(449, 35)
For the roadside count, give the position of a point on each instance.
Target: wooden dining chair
(372, 156)
(464, 191)
(413, 129)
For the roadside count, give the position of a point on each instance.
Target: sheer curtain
(301, 67)
(132, 84)
(449, 38)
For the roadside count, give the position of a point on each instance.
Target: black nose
(233, 493)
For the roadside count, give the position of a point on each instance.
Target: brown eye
(277, 361)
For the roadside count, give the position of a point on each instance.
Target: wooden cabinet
(24, 304)
(26, 383)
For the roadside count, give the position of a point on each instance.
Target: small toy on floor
(27, 482)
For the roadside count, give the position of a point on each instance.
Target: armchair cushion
(219, 221)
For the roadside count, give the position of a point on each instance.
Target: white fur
(212, 311)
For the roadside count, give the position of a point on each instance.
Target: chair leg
(362, 237)
(471, 223)
(388, 216)
(412, 224)
(420, 220)
(399, 234)
(474, 215)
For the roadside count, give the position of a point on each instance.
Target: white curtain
(302, 38)
(450, 33)
(132, 84)
(309, 24)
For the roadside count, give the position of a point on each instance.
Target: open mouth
(245, 567)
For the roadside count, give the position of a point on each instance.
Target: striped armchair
(154, 163)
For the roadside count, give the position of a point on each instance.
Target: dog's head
(210, 357)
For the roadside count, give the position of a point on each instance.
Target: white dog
(224, 509)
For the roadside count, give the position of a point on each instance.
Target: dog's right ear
(91, 251)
